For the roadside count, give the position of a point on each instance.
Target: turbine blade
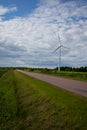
(64, 46)
(57, 48)
(59, 38)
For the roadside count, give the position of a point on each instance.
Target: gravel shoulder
(78, 87)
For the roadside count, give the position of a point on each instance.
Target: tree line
(63, 68)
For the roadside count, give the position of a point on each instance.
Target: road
(78, 87)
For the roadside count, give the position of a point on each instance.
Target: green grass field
(30, 104)
(82, 76)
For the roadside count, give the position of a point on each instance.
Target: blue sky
(29, 32)
(24, 7)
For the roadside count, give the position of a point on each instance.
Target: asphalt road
(78, 87)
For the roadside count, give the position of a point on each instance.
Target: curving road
(78, 87)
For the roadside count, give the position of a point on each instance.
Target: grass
(30, 104)
(3, 71)
(82, 76)
(8, 103)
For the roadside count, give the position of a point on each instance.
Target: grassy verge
(8, 102)
(3, 71)
(30, 104)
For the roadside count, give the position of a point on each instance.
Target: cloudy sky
(29, 32)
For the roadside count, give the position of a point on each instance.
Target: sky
(30, 31)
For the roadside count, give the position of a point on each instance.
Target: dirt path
(75, 86)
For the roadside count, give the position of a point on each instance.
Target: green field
(30, 104)
(67, 74)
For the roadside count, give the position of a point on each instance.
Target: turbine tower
(59, 48)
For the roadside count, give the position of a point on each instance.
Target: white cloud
(31, 40)
(4, 10)
(81, 11)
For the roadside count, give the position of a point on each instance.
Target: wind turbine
(59, 48)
